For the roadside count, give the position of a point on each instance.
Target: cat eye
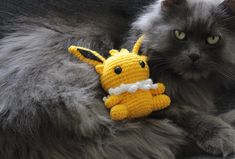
(213, 40)
(180, 35)
(118, 70)
(142, 64)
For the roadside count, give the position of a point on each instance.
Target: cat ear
(228, 6)
(86, 55)
(168, 4)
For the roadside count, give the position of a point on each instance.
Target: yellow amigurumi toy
(125, 76)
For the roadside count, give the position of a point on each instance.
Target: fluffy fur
(195, 86)
(51, 106)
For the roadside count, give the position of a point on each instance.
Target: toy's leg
(119, 112)
(160, 102)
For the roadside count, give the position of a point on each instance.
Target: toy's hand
(112, 101)
(159, 90)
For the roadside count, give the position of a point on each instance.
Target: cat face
(189, 37)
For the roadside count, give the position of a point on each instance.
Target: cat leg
(226, 107)
(210, 157)
(229, 117)
(210, 133)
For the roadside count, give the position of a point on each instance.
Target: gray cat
(190, 44)
(51, 105)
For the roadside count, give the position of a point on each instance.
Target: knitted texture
(125, 76)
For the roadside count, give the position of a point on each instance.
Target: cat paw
(222, 143)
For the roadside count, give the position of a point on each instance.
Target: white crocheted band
(133, 87)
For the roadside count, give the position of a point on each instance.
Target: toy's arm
(159, 90)
(112, 101)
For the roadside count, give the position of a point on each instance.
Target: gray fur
(51, 104)
(195, 90)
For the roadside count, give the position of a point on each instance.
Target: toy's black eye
(142, 64)
(118, 70)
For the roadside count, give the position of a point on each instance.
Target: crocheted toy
(125, 76)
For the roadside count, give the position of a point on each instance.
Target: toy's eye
(142, 64)
(118, 70)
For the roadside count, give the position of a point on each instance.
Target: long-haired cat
(190, 44)
(51, 106)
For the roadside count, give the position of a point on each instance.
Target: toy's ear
(137, 45)
(91, 57)
(99, 69)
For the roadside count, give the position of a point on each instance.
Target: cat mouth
(192, 71)
(194, 68)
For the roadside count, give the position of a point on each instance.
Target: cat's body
(190, 45)
(51, 106)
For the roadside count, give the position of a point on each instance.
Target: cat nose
(194, 57)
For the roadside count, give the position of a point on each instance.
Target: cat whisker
(226, 73)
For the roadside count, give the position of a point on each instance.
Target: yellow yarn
(137, 45)
(125, 76)
(76, 53)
